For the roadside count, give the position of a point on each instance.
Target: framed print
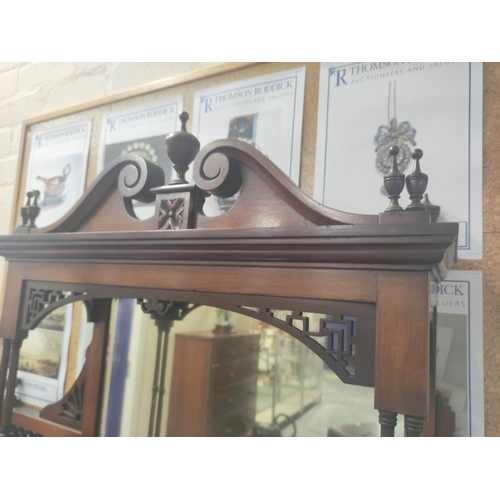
(140, 130)
(265, 111)
(58, 168)
(365, 108)
(43, 359)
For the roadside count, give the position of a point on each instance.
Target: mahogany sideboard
(275, 249)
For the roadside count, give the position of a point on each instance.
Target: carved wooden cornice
(422, 246)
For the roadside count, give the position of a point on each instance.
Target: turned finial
(182, 148)
(416, 183)
(184, 117)
(394, 182)
(24, 210)
(31, 210)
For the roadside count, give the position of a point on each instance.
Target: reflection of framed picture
(243, 128)
(58, 167)
(459, 350)
(43, 359)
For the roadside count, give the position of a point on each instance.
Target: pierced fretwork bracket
(333, 338)
(174, 311)
(41, 298)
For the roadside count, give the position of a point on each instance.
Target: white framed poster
(265, 111)
(365, 108)
(58, 168)
(43, 359)
(459, 346)
(141, 130)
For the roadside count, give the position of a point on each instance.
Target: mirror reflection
(190, 371)
(219, 373)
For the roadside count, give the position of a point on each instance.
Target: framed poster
(58, 167)
(459, 346)
(265, 111)
(140, 130)
(365, 108)
(43, 359)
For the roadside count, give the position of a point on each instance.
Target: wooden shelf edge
(41, 426)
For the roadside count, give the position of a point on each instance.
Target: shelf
(29, 419)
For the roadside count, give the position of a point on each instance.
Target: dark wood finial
(394, 182)
(182, 148)
(31, 210)
(34, 209)
(433, 209)
(416, 183)
(24, 210)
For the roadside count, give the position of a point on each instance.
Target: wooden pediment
(271, 223)
(266, 196)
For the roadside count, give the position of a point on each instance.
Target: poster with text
(57, 169)
(365, 108)
(43, 359)
(141, 130)
(459, 350)
(265, 112)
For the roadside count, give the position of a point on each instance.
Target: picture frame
(43, 359)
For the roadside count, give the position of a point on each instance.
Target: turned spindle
(388, 421)
(414, 426)
(8, 402)
(416, 183)
(394, 182)
(182, 148)
(3, 369)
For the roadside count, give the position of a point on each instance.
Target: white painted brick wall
(31, 89)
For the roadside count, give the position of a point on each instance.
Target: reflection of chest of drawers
(214, 385)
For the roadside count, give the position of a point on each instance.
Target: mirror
(223, 374)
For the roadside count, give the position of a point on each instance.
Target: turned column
(11, 385)
(388, 421)
(3, 370)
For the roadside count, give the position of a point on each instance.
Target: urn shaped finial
(416, 183)
(182, 148)
(394, 182)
